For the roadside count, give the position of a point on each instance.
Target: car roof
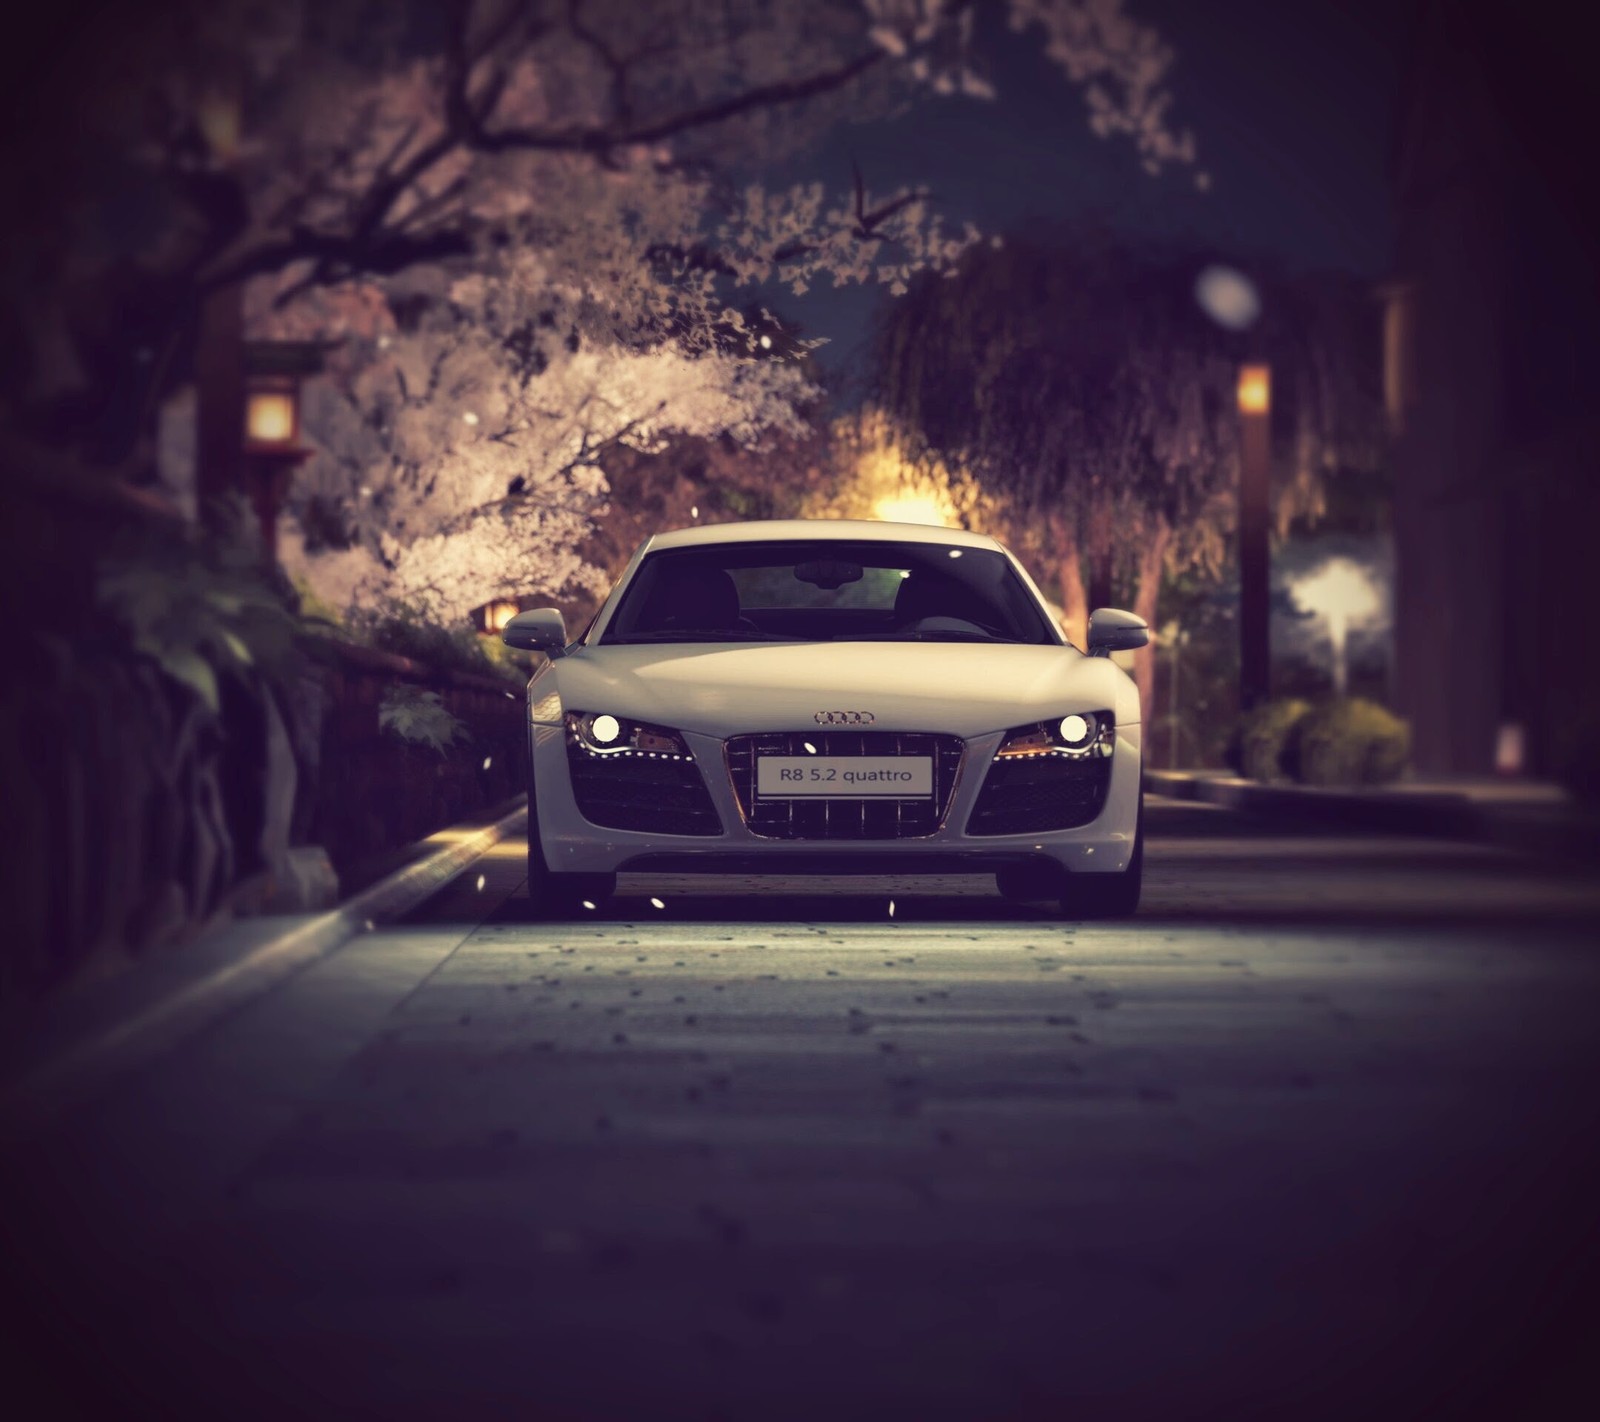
(793, 529)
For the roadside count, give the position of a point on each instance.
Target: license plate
(845, 777)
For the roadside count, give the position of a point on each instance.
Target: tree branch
(591, 138)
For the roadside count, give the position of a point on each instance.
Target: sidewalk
(59, 1053)
(1531, 816)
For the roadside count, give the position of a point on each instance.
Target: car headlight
(1077, 735)
(601, 733)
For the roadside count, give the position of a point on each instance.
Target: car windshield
(829, 591)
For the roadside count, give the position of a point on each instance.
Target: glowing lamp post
(1341, 593)
(911, 508)
(272, 449)
(1255, 482)
(496, 614)
(1231, 299)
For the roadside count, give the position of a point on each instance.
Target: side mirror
(542, 630)
(1112, 630)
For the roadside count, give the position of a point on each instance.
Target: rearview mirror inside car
(828, 573)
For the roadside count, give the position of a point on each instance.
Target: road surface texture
(1313, 1136)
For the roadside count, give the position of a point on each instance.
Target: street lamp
(911, 508)
(1255, 484)
(497, 613)
(1233, 301)
(272, 450)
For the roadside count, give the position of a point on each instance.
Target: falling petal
(587, 904)
(658, 903)
(891, 908)
(488, 760)
(481, 882)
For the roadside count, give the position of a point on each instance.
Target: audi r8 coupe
(832, 697)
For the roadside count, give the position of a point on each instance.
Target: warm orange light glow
(217, 118)
(911, 508)
(269, 417)
(501, 613)
(1255, 389)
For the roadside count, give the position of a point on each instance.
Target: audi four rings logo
(844, 718)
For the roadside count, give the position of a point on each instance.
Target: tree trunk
(1152, 563)
(1074, 605)
(1100, 558)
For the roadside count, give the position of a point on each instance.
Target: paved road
(1313, 1135)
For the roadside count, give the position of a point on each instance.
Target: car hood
(963, 689)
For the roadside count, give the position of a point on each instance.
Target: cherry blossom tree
(314, 144)
(463, 459)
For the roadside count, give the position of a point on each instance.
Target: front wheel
(554, 896)
(1109, 895)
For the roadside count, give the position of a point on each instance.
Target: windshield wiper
(696, 634)
(940, 634)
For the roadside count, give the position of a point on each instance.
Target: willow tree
(1079, 380)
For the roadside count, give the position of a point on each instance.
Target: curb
(150, 1013)
(1444, 814)
(1556, 830)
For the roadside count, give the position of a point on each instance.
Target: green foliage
(1258, 748)
(318, 612)
(510, 662)
(420, 717)
(406, 631)
(1206, 611)
(1350, 741)
(197, 608)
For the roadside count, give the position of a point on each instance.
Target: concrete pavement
(1310, 1135)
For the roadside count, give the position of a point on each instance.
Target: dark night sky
(1291, 106)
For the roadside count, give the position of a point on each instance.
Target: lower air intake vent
(654, 794)
(1047, 792)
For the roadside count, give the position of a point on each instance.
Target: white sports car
(832, 697)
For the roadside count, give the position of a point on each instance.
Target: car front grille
(655, 794)
(1046, 792)
(777, 818)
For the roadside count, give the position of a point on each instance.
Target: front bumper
(571, 844)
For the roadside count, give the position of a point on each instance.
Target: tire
(551, 896)
(1026, 883)
(1109, 895)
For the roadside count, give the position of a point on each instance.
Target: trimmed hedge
(1257, 748)
(1349, 742)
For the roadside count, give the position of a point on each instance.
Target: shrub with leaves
(420, 717)
(197, 608)
(1257, 748)
(1349, 741)
(408, 631)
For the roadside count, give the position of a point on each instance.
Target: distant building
(1493, 390)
